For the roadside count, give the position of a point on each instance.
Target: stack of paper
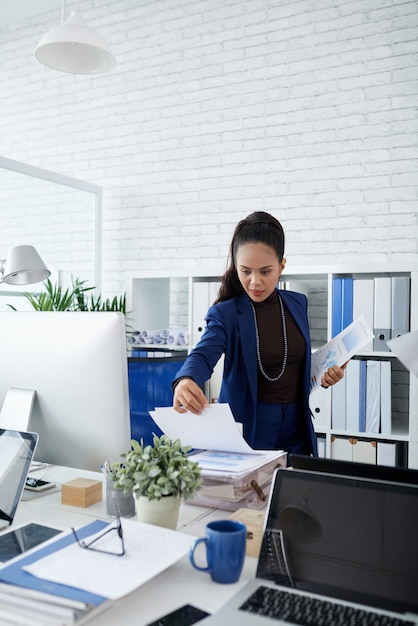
(61, 583)
(226, 456)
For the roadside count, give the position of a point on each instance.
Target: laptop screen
(353, 468)
(347, 537)
(16, 453)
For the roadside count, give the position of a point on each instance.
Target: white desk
(178, 585)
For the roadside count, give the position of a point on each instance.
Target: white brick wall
(307, 109)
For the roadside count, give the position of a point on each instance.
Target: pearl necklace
(260, 365)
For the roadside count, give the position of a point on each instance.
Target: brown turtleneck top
(270, 332)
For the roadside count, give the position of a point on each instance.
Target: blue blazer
(230, 331)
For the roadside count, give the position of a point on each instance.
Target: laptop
(353, 468)
(336, 550)
(16, 453)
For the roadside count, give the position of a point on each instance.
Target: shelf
(370, 436)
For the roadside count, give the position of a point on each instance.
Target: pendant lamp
(75, 48)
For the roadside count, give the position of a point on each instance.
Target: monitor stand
(17, 409)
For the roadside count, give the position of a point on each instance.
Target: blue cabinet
(150, 386)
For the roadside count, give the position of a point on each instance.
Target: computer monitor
(77, 364)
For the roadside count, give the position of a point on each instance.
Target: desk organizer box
(81, 492)
(246, 489)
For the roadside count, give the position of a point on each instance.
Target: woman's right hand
(189, 396)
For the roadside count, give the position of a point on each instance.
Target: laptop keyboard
(307, 611)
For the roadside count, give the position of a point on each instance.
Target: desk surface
(180, 584)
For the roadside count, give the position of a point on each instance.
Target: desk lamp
(23, 266)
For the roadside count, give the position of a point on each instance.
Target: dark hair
(258, 227)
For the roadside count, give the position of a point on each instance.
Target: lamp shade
(24, 266)
(74, 48)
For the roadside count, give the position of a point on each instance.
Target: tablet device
(15, 542)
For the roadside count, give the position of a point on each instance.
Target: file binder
(385, 398)
(373, 396)
(363, 303)
(320, 404)
(200, 305)
(347, 302)
(337, 300)
(382, 312)
(400, 305)
(362, 396)
(352, 376)
(338, 395)
(342, 304)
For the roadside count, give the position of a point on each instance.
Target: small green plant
(74, 298)
(163, 469)
(55, 298)
(118, 303)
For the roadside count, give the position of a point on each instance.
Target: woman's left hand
(333, 375)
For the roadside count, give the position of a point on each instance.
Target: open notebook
(335, 548)
(16, 454)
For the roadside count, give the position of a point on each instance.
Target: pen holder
(118, 501)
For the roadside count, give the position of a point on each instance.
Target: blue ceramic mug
(225, 542)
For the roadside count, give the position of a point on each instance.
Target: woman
(264, 334)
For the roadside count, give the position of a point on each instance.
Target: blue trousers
(280, 427)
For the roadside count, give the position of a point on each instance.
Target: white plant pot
(163, 512)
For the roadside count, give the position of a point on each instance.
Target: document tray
(247, 489)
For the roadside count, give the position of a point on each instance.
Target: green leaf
(160, 470)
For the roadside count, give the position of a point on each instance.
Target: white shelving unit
(317, 284)
(182, 300)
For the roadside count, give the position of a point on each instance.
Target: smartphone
(34, 484)
(184, 616)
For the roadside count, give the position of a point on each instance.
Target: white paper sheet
(339, 349)
(406, 349)
(214, 429)
(149, 550)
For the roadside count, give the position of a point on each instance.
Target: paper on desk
(406, 349)
(149, 550)
(232, 463)
(13, 572)
(340, 349)
(214, 429)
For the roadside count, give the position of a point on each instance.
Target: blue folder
(337, 302)
(14, 573)
(347, 302)
(342, 304)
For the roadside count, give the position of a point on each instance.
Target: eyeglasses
(89, 546)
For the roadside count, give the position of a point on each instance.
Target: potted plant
(158, 476)
(74, 298)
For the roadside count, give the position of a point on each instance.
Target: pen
(106, 468)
